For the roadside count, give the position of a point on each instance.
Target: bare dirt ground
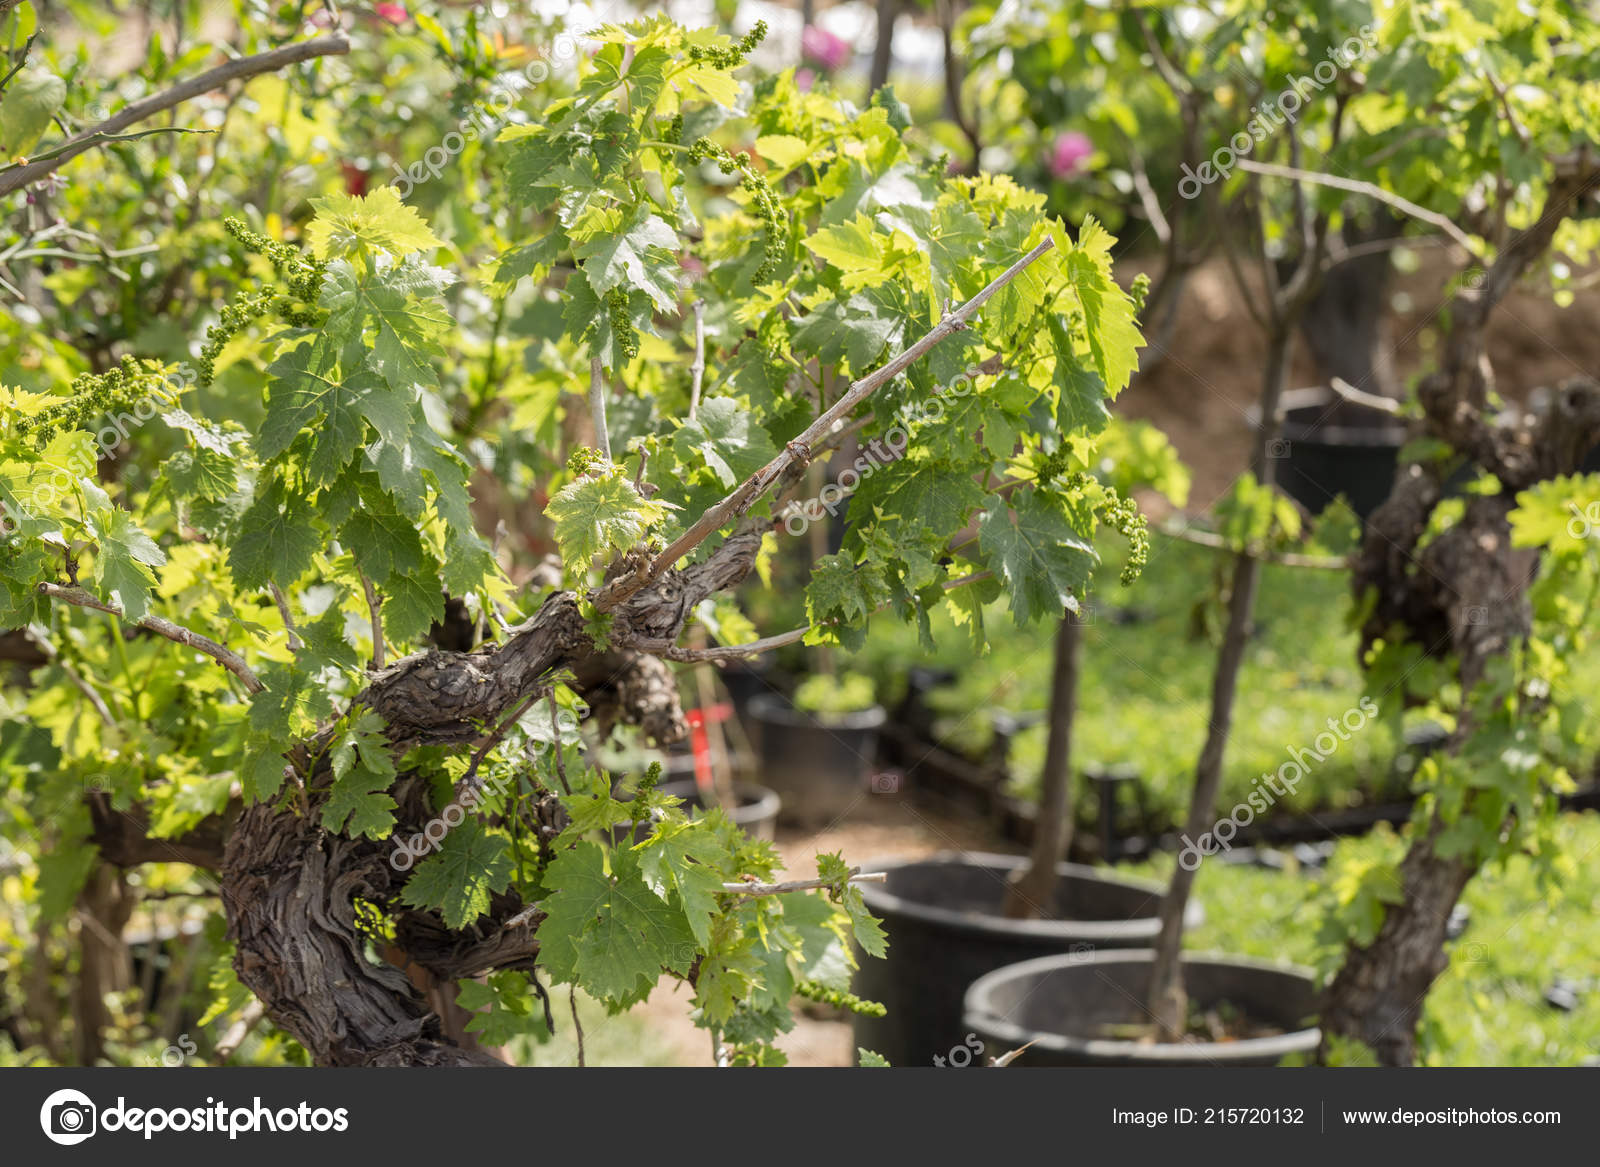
(1199, 395)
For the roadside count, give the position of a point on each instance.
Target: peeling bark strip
(1465, 595)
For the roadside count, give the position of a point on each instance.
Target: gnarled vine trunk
(1463, 595)
(294, 892)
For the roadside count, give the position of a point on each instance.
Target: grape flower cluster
(302, 279)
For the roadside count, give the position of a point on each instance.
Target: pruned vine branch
(1371, 190)
(17, 177)
(775, 889)
(798, 453)
(161, 626)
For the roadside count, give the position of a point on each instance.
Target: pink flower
(1068, 152)
(804, 79)
(822, 47)
(393, 13)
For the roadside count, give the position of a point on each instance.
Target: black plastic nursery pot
(757, 809)
(819, 766)
(942, 917)
(1059, 1002)
(1323, 458)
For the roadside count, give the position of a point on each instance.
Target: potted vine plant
(1155, 1025)
(269, 589)
(959, 915)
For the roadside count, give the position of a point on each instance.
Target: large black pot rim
(1384, 430)
(880, 900)
(1249, 1049)
(771, 707)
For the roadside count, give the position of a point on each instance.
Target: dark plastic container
(1056, 1001)
(942, 917)
(1323, 458)
(821, 767)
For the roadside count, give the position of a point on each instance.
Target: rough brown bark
(291, 889)
(104, 906)
(1464, 596)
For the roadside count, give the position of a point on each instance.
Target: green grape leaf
(306, 394)
(473, 865)
(604, 513)
(1042, 560)
(686, 858)
(727, 437)
(122, 574)
(640, 254)
(32, 99)
(357, 224)
(277, 539)
(363, 769)
(1114, 338)
(608, 932)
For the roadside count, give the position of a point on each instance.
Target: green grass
(1488, 1008)
(1145, 686)
(1144, 692)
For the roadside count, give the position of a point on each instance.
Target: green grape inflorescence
(814, 991)
(1140, 292)
(1123, 514)
(586, 460)
(734, 55)
(641, 793)
(753, 183)
(622, 324)
(96, 395)
(302, 278)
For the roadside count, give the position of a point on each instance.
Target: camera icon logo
(68, 1117)
(885, 782)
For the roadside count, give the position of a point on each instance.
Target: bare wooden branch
(697, 371)
(90, 693)
(295, 643)
(249, 1017)
(271, 61)
(597, 407)
(1360, 397)
(774, 889)
(1283, 559)
(176, 633)
(1371, 190)
(375, 609)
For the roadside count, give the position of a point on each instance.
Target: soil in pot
(820, 766)
(1087, 1009)
(942, 917)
